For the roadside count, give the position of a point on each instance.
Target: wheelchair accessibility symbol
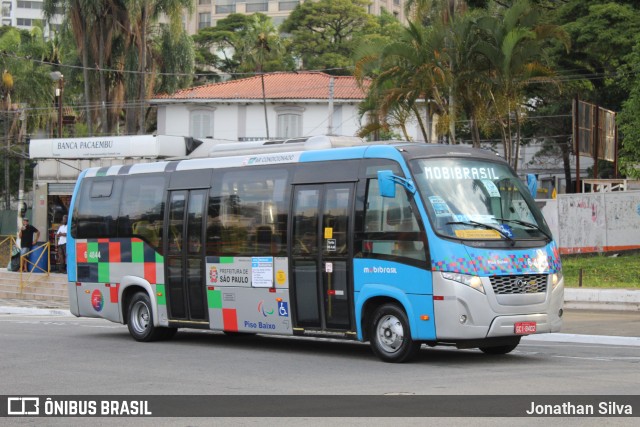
(283, 309)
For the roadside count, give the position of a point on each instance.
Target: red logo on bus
(213, 275)
(97, 300)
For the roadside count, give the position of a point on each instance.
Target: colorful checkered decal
(488, 262)
(107, 260)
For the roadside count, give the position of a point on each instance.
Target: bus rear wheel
(140, 320)
(391, 336)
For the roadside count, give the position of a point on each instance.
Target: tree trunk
(566, 160)
(103, 85)
(420, 123)
(517, 150)
(85, 75)
(143, 66)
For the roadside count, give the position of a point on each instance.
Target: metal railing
(6, 246)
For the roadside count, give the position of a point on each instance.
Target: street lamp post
(57, 76)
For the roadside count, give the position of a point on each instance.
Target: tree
(514, 45)
(25, 84)
(629, 122)
(143, 14)
(82, 16)
(405, 71)
(602, 34)
(324, 34)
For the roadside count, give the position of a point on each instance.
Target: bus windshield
(478, 200)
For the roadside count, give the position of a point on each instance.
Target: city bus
(396, 244)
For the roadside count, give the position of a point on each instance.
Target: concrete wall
(233, 120)
(594, 222)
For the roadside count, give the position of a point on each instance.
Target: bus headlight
(556, 278)
(472, 281)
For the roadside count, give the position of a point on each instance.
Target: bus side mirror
(386, 183)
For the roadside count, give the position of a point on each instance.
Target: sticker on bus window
(491, 188)
(477, 234)
(440, 207)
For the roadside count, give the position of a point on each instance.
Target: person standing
(61, 244)
(27, 241)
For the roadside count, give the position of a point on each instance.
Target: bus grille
(524, 284)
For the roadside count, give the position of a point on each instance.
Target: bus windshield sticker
(440, 207)
(262, 272)
(477, 234)
(458, 173)
(491, 188)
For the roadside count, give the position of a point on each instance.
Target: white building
(292, 105)
(25, 14)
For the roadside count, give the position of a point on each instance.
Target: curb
(583, 339)
(602, 299)
(30, 311)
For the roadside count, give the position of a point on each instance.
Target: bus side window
(391, 227)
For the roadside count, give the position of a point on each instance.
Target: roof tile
(286, 85)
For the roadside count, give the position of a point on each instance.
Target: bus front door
(320, 254)
(184, 256)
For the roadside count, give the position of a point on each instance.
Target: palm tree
(25, 84)
(143, 14)
(82, 15)
(513, 44)
(259, 44)
(409, 69)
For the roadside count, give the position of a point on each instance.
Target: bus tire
(501, 349)
(140, 320)
(391, 336)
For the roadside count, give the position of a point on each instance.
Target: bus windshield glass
(478, 200)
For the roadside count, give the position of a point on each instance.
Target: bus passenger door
(320, 254)
(184, 255)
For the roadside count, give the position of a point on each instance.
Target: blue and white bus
(397, 244)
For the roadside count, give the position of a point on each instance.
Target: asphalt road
(42, 355)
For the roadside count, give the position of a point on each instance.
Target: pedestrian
(61, 245)
(27, 241)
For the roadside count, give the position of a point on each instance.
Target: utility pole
(330, 119)
(264, 103)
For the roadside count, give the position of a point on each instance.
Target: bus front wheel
(391, 336)
(140, 320)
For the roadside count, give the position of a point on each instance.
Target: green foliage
(324, 34)
(602, 270)
(176, 58)
(242, 44)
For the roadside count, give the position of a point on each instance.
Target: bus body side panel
(249, 294)
(410, 286)
(107, 267)
(465, 313)
(71, 251)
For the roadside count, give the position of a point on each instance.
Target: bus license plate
(524, 328)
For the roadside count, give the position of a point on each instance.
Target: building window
(204, 20)
(26, 22)
(287, 5)
(257, 6)
(29, 4)
(201, 123)
(289, 122)
(204, 1)
(225, 6)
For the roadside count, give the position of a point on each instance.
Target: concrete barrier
(602, 299)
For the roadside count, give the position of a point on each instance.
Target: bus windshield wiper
(485, 226)
(527, 224)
